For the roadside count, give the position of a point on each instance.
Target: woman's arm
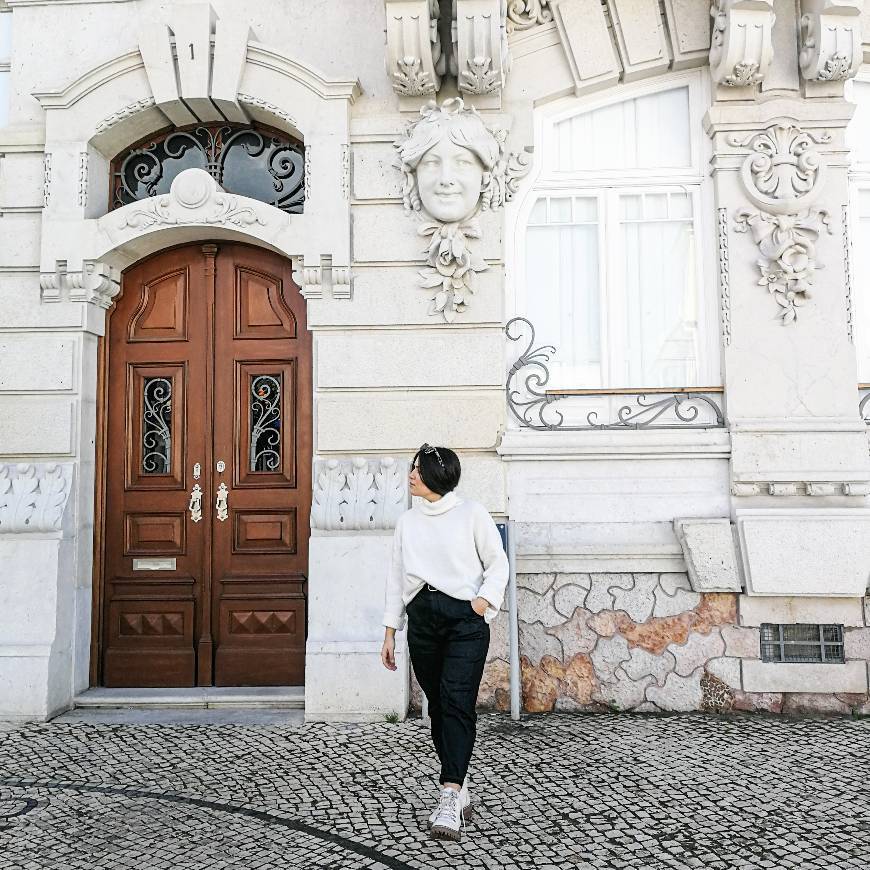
(492, 557)
(394, 606)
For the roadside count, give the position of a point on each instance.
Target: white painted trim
(524, 444)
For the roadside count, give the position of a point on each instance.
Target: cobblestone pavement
(556, 791)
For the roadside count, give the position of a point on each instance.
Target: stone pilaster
(800, 471)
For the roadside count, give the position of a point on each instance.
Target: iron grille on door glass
(802, 643)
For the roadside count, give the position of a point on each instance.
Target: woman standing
(448, 572)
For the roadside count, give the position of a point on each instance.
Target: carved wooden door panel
(262, 435)
(208, 451)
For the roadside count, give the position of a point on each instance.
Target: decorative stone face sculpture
(454, 168)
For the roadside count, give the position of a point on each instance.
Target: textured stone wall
(641, 643)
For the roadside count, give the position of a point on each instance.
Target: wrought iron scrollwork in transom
(864, 402)
(533, 405)
(256, 162)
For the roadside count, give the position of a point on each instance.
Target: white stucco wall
(387, 374)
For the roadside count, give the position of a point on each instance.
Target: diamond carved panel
(263, 622)
(152, 624)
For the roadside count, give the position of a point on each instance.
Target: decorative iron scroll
(530, 402)
(864, 403)
(266, 423)
(157, 426)
(255, 162)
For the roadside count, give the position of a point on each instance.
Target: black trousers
(448, 643)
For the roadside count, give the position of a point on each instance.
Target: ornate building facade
(615, 254)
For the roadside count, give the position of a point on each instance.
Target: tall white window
(5, 64)
(612, 239)
(858, 140)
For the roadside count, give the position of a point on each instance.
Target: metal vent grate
(802, 643)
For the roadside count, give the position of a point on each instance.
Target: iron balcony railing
(533, 405)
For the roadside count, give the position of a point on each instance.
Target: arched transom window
(252, 161)
(612, 237)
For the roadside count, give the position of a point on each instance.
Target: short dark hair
(441, 477)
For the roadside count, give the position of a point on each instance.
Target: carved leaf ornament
(782, 176)
(358, 494)
(33, 497)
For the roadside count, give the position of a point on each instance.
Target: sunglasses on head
(428, 448)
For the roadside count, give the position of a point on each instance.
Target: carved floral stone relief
(782, 176)
(195, 197)
(33, 497)
(523, 14)
(454, 169)
(359, 493)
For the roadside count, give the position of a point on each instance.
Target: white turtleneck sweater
(450, 544)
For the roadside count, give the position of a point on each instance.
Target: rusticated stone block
(608, 654)
(674, 595)
(638, 599)
(541, 684)
(580, 679)
(657, 634)
(624, 693)
(643, 663)
(679, 694)
(576, 635)
(697, 651)
(743, 643)
(711, 557)
(716, 608)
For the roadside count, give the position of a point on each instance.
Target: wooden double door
(207, 482)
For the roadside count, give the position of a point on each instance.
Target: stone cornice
(314, 80)
(63, 98)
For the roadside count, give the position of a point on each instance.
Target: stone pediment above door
(194, 68)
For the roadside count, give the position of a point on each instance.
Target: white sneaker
(450, 817)
(467, 810)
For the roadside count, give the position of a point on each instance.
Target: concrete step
(210, 697)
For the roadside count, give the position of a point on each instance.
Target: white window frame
(6, 66)
(859, 181)
(550, 181)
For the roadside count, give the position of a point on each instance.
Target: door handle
(221, 503)
(195, 505)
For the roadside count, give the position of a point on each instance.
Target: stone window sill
(528, 444)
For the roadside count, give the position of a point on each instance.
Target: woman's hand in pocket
(388, 650)
(479, 605)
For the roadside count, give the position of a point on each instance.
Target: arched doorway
(206, 452)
